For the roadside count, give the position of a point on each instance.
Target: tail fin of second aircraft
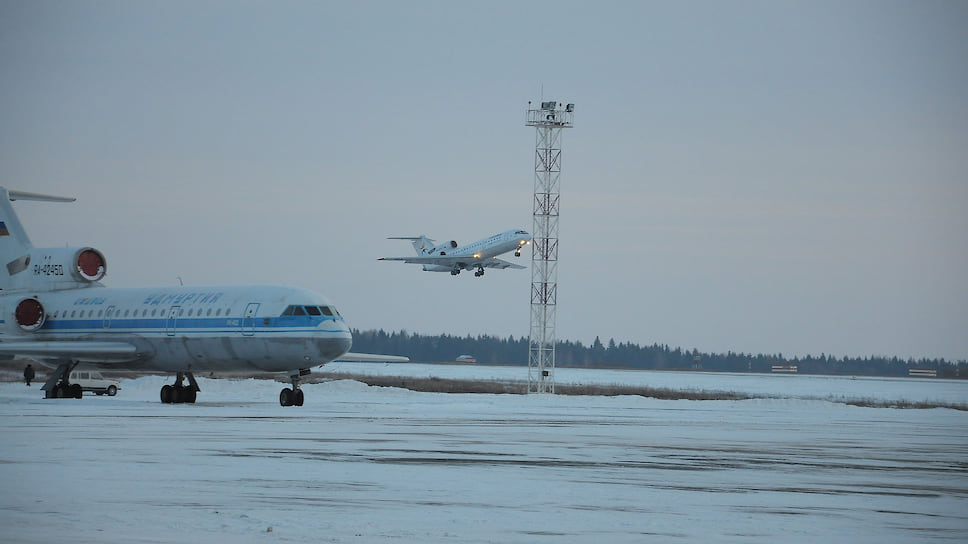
(421, 244)
(15, 246)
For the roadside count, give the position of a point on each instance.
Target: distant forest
(514, 351)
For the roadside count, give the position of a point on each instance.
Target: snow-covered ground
(367, 464)
(800, 386)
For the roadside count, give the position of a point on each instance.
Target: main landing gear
(456, 270)
(59, 384)
(294, 396)
(180, 392)
(480, 272)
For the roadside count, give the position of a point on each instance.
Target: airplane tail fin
(421, 244)
(15, 246)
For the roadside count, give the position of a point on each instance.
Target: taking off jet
(449, 257)
(54, 308)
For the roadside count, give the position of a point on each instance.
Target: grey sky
(749, 176)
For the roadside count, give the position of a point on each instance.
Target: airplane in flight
(449, 257)
(54, 308)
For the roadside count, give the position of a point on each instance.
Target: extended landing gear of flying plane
(59, 386)
(480, 272)
(179, 392)
(294, 396)
(454, 271)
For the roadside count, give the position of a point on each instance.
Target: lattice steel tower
(548, 121)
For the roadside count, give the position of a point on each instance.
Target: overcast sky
(760, 177)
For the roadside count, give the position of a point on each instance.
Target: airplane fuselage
(484, 249)
(492, 246)
(192, 329)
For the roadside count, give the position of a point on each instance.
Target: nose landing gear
(294, 396)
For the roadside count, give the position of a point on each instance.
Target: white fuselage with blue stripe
(221, 328)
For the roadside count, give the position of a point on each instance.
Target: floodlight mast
(548, 121)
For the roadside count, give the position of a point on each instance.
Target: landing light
(477, 255)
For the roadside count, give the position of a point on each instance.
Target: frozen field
(803, 386)
(363, 464)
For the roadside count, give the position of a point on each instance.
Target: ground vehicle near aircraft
(54, 308)
(92, 381)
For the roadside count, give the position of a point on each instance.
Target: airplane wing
(100, 352)
(371, 358)
(497, 263)
(465, 262)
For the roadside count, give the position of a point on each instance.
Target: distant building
(785, 369)
(466, 359)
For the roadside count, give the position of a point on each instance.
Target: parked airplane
(449, 257)
(54, 308)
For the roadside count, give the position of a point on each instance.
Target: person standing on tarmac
(28, 374)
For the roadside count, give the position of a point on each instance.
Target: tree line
(514, 351)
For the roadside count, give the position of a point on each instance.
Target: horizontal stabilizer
(99, 352)
(23, 195)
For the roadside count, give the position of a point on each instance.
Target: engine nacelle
(442, 249)
(30, 314)
(57, 268)
(76, 263)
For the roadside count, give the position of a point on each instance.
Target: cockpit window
(294, 310)
(309, 310)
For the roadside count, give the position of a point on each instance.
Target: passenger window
(190, 312)
(326, 310)
(100, 313)
(312, 310)
(209, 312)
(218, 312)
(73, 313)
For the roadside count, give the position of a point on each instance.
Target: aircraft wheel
(188, 395)
(76, 391)
(60, 392)
(285, 397)
(298, 397)
(167, 394)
